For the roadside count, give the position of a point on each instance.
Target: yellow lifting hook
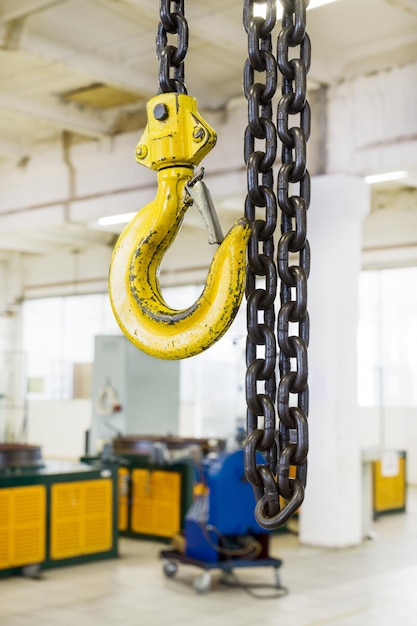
(175, 140)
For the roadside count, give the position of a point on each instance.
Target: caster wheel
(32, 571)
(202, 583)
(170, 569)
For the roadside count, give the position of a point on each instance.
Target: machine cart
(202, 583)
(220, 528)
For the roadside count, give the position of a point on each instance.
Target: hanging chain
(278, 494)
(284, 445)
(261, 343)
(171, 58)
(293, 396)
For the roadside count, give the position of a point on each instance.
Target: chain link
(285, 445)
(171, 58)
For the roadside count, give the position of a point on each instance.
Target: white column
(331, 514)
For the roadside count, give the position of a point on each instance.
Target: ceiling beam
(63, 116)
(12, 149)
(16, 9)
(21, 243)
(73, 236)
(101, 69)
(53, 240)
(407, 5)
(113, 74)
(92, 66)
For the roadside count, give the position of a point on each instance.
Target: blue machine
(220, 527)
(221, 519)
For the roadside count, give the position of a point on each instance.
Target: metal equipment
(126, 392)
(220, 529)
(53, 514)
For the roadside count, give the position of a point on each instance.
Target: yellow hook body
(175, 140)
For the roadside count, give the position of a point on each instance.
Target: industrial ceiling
(87, 67)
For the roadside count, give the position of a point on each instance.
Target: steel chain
(279, 495)
(171, 58)
(283, 445)
(261, 210)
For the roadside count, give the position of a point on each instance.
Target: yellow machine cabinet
(81, 518)
(153, 500)
(156, 503)
(56, 514)
(22, 526)
(389, 483)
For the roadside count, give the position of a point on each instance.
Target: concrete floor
(372, 584)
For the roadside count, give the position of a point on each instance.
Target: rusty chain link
(171, 58)
(283, 445)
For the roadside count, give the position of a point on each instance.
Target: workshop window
(58, 333)
(387, 338)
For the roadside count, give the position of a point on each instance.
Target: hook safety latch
(201, 196)
(175, 140)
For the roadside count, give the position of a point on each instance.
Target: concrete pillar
(331, 514)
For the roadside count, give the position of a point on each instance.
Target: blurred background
(75, 76)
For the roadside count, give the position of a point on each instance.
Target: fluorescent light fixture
(314, 4)
(122, 218)
(383, 178)
(259, 8)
